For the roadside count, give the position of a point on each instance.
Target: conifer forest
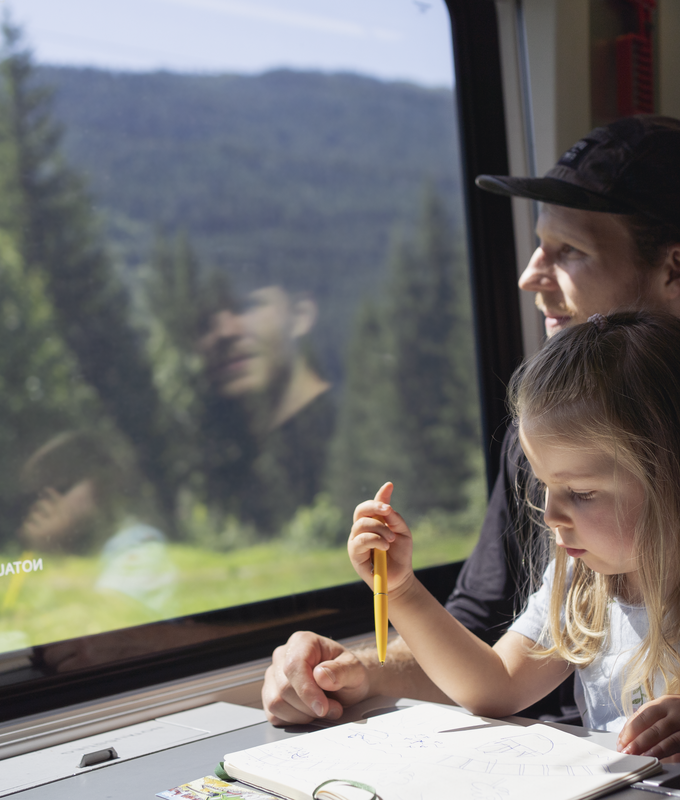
(232, 307)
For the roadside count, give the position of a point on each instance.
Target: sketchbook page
(430, 748)
(295, 767)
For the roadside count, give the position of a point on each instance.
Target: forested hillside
(304, 175)
(334, 160)
(133, 210)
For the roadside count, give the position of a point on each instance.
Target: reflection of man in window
(270, 415)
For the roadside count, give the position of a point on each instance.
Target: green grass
(60, 602)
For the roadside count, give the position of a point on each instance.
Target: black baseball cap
(629, 166)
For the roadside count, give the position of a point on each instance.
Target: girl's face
(57, 521)
(591, 507)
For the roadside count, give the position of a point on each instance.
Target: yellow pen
(380, 602)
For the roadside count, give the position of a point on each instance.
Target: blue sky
(389, 39)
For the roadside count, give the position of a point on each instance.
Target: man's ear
(305, 313)
(671, 270)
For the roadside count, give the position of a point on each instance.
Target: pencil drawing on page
(411, 754)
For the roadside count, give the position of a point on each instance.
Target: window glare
(387, 39)
(234, 301)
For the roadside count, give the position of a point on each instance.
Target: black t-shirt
(264, 480)
(290, 468)
(495, 581)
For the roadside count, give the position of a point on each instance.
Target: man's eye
(569, 252)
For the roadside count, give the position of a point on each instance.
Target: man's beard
(560, 309)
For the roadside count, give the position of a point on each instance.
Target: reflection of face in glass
(79, 491)
(251, 349)
(56, 520)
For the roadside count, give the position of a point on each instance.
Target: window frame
(340, 611)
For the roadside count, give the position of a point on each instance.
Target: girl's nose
(539, 276)
(554, 515)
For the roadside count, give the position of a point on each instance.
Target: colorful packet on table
(211, 788)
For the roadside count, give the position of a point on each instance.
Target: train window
(235, 301)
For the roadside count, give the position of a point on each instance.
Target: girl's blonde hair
(613, 385)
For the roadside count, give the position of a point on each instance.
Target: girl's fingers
(365, 542)
(638, 732)
(375, 526)
(657, 747)
(379, 506)
(384, 493)
(382, 512)
(654, 729)
(372, 508)
(668, 749)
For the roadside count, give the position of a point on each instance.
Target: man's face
(246, 350)
(584, 264)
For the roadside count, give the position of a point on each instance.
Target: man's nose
(539, 276)
(227, 325)
(224, 326)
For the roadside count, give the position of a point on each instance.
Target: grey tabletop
(141, 778)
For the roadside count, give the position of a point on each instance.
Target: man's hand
(311, 677)
(654, 730)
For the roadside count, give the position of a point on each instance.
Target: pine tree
(174, 311)
(57, 238)
(429, 315)
(41, 391)
(368, 448)
(173, 289)
(410, 408)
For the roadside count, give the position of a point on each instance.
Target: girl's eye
(581, 496)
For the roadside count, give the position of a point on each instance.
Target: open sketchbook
(428, 752)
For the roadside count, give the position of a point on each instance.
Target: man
(269, 416)
(609, 236)
(254, 349)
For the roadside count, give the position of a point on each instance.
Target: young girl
(598, 412)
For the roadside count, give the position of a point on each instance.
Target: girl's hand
(654, 730)
(378, 527)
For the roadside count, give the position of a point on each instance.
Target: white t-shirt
(597, 687)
